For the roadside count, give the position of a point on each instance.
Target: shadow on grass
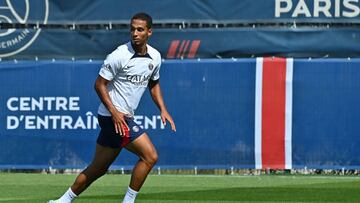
(282, 194)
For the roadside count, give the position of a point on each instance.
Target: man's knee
(151, 158)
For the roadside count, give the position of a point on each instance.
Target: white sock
(130, 196)
(68, 197)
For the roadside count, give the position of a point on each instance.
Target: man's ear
(149, 32)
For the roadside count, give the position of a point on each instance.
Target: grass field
(38, 188)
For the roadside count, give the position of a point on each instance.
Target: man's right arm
(117, 117)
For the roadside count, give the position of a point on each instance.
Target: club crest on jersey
(135, 129)
(151, 66)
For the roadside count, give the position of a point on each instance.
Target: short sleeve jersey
(129, 75)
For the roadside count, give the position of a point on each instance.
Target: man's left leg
(145, 150)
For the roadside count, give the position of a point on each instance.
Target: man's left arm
(155, 91)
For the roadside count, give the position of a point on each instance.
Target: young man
(122, 80)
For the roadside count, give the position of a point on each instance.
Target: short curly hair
(143, 16)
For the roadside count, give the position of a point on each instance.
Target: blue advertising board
(29, 28)
(48, 114)
(49, 111)
(189, 43)
(96, 11)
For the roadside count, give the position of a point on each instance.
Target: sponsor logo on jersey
(138, 79)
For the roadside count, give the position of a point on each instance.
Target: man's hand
(117, 117)
(165, 116)
(119, 123)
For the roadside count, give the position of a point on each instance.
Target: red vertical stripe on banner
(181, 49)
(273, 113)
(193, 49)
(172, 50)
(185, 48)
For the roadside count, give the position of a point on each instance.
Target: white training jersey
(129, 75)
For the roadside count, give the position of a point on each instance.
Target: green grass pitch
(38, 188)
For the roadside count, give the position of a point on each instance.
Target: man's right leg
(145, 150)
(103, 158)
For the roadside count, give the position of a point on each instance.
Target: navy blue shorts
(108, 137)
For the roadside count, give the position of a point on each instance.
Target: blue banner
(48, 112)
(32, 34)
(51, 116)
(326, 114)
(192, 11)
(189, 43)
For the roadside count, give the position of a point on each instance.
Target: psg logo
(13, 40)
(151, 66)
(135, 129)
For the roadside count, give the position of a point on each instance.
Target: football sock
(130, 196)
(68, 197)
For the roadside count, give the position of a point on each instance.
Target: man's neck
(139, 49)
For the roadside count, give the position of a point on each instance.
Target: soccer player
(122, 80)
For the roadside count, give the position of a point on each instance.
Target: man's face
(139, 32)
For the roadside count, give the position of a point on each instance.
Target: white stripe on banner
(288, 113)
(258, 109)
